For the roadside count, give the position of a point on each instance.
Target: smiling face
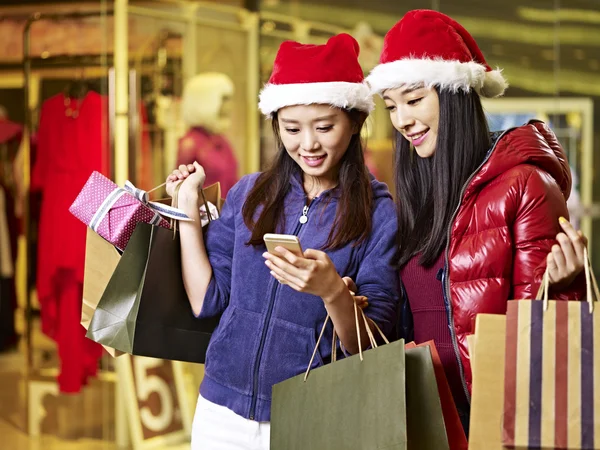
(415, 113)
(316, 137)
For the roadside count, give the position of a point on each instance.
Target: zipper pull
(304, 217)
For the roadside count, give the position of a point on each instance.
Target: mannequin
(205, 108)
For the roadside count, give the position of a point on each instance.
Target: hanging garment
(10, 131)
(8, 299)
(78, 355)
(10, 139)
(72, 143)
(35, 209)
(11, 134)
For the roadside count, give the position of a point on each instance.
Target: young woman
(478, 213)
(272, 306)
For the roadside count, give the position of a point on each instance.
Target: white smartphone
(287, 241)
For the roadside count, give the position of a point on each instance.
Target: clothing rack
(80, 60)
(27, 65)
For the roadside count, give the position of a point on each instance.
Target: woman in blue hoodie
(272, 306)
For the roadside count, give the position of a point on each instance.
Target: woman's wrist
(188, 200)
(336, 293)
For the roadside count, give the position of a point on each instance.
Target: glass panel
(222, 56)
(549, 55)
(54, 130)
(207, 45)
(155, 86)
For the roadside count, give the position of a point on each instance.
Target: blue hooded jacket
(268, 331)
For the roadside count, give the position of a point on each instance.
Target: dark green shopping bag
(144, 310)
(425, 420)
(357, 403)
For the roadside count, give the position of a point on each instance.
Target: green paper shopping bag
(357, 403)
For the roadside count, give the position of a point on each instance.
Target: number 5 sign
(154, 395)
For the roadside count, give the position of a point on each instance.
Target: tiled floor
(14, 438)
(70, 422)
(85, 421)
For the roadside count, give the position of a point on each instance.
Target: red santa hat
(317, 74)
(428, 47)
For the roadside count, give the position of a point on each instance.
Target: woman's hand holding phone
(311, 271)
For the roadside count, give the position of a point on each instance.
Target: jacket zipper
(446, 278)
(275, 286)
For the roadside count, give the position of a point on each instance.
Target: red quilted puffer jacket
(503, 230)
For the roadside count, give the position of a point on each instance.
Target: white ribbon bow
(163, 210)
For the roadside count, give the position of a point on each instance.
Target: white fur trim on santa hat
(336, 93)
(450, 75)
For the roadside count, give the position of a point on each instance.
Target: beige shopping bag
(487, 365)
(101, 259)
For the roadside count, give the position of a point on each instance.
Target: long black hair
(428, 190)
(356, 199)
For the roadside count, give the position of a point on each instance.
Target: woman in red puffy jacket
(480, 215)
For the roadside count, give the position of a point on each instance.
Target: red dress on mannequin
(72, 142)
(211, 151)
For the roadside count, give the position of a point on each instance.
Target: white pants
(218, 428)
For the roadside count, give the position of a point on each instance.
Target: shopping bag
(101, 259)
(487, 396)
(356, 403)
(552, 372)
(212, 195)
(144, 309)
(430, 377)
(424, 418)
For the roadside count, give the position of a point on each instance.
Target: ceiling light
(558, 15)
(548, 55)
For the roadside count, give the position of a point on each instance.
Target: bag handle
(335, 337)
(590, 283)
(208, 214)
(157, 187)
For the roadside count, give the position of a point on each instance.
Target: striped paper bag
(552, 373)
